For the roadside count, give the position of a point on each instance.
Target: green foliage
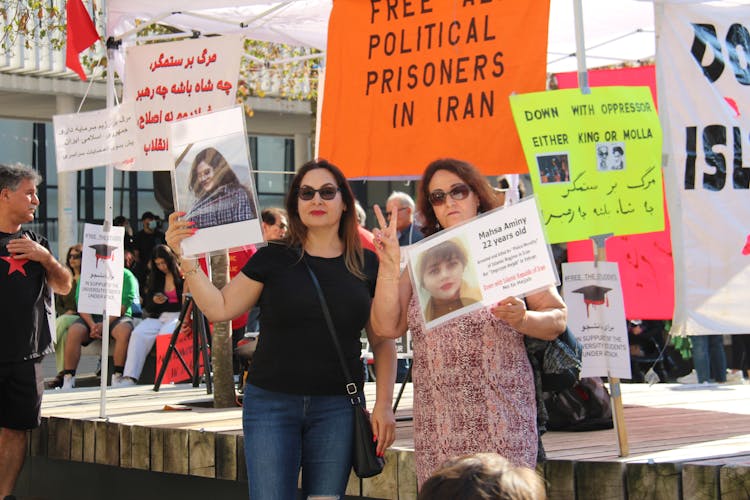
(261, 75)
(40, 23)
(30, 21)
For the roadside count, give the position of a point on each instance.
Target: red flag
(81, 34)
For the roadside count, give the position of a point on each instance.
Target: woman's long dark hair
(469, 174)
(348, 232)
(223, 174)
(156, 279)
(77, 246)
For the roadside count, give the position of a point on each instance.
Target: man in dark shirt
(29, 274)
(408, 230)
(145, 240)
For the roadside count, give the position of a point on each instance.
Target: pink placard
(645, 260)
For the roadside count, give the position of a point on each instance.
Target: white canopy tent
(615, 30)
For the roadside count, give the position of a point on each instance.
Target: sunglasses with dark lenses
(326, 192)
(75, 256)
(457, 192)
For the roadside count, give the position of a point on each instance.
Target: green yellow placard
(594, 160)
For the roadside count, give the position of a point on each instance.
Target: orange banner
(409, 81)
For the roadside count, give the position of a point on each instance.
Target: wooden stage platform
(685, 442)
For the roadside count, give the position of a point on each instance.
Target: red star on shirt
(15, 265)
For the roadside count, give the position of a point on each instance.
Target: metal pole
(583, 75)
(112, 46)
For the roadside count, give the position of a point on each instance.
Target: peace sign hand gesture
(386, 243)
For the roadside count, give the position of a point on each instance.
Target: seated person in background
(274, 223)
(482, 476)
(162, 300)
(646, 339)
(89, 327)
(66, 310)
(237, 260)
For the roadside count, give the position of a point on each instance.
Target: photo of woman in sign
(441, 272)
(220, 197)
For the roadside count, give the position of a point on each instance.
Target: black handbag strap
(351, 387)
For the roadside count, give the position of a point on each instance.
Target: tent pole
(583, 75)
(112, 46)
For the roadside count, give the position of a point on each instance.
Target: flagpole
(600, 250)
(112, 46)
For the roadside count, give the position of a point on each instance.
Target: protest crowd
(467, 284)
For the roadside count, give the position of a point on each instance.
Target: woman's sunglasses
(326, 192)
(75, 256)
(457, 192)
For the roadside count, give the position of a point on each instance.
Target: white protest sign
(596, 316)
(499, 254)
(101, 270)
(171, 81)
(95, 138)
(212, 182)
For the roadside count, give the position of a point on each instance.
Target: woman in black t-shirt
(296, 412)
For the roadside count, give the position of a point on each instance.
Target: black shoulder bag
(365, 461)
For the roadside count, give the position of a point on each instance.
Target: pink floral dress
(473, 391)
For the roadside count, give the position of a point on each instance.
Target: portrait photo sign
(499, 254)
(212, 182)
(594, 160)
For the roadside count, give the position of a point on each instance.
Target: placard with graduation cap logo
(596, 316)
(101, 270)
(594, 295)
(106, 253)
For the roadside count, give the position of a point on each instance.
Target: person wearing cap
(122, 221)
(29, 273)
(144, 242)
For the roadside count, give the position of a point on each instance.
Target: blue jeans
(708, 358)
(284, 432)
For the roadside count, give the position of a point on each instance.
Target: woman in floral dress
(473, 385)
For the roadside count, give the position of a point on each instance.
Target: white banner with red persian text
(703, 78)
(176, 80)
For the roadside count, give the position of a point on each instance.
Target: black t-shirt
(295, 353)
(25, 304)
(145, 242)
